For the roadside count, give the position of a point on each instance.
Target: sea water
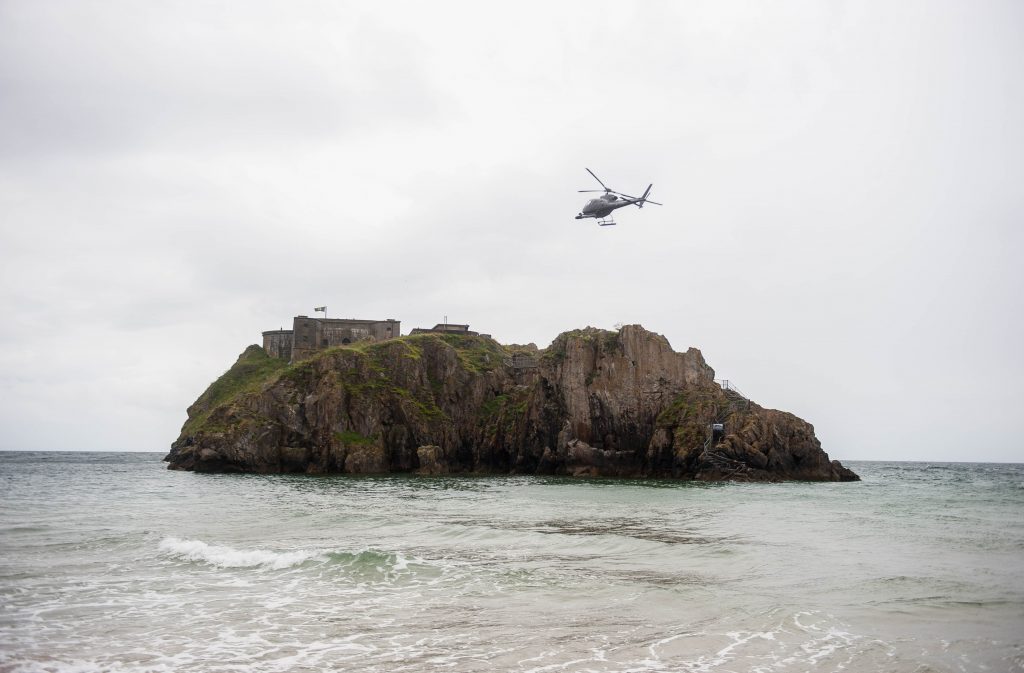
(110, 562)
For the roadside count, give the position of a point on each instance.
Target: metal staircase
(716, 429)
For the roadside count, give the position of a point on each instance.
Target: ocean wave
(229, 557)
(221, 556)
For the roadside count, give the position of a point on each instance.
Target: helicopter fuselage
(603, 207)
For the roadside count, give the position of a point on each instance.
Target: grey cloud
(840, 231)
(112, 77)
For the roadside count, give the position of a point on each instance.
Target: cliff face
(600, 403)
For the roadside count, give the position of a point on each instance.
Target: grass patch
(427, 408)
(504, 412)
(252, 369)
(476, 353)
(555, 353)
(350, 438)
(493, 406)
(611, 341)
(681, 408)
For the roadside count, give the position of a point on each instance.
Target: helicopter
(601, 208)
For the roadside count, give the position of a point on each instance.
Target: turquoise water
(109, 562)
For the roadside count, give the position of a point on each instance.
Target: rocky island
(594, 403)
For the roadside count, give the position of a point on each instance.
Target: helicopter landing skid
(606, 222)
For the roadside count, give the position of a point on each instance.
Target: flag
(321, 308)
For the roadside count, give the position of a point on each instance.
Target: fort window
(346, 340)
(323, 342)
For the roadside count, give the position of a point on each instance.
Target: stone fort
(308, 335)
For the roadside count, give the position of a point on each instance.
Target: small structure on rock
(447, 328)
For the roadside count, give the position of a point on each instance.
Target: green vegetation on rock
(682, 407)
(476, 353)
(493, 406)
(349, 438)
(368, 373)
(504, 412)
(252, 369)
(557, 351)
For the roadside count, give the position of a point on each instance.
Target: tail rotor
(643, 199)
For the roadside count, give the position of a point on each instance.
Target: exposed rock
(432, 460)
(598, 403)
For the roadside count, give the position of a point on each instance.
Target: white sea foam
(228, 557)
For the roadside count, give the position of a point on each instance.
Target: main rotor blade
(584, 191)
(599, 180)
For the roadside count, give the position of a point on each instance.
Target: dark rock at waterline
(596, 403)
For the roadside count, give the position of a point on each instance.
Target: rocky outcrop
(598, 403)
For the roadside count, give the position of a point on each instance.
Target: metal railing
(521, 361)
(729, 387)
(726, 384)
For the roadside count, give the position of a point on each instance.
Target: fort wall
(309, 335)
(278, 343)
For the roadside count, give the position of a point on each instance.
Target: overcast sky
(842, 183)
